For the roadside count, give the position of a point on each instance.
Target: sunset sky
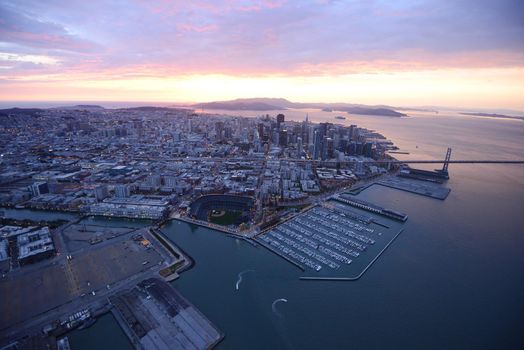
(467, 53)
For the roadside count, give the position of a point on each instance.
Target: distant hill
(278, 104)
(374, 111)
(20, 111)
(81, 107)
(155, 109)
(243, 105)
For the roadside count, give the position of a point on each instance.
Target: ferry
(340, 117)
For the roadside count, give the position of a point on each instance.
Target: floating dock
(312, 278)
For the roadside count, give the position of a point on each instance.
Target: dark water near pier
(454, 279)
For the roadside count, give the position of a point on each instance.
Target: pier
(358, 203)
(156, 316)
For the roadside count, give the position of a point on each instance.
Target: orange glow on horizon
(475, 87)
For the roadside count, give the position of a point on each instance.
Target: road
(36, 323)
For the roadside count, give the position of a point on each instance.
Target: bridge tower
(446, 161)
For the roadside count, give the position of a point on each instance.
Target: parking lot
(79, 236)
(26, 294)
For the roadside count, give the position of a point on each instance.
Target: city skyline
(460, 54)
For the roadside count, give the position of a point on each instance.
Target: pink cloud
(188, 27)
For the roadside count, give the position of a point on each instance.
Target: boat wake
(240, 278)
(274, 308)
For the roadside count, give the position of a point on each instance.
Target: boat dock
(314, 278)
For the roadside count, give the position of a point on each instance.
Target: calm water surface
(454, 279)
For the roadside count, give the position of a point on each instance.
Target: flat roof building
(35, 246)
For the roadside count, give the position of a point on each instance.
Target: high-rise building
(368, 149)
(122, 191)
(260, 128)
(330, 148)
(282, 138)
(280, 120)
(352, 148)
(317, 153)
(325, 151)
(300, 148)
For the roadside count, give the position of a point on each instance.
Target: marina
(327, 238)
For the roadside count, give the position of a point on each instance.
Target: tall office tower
(304, 134)
(352, 148)
(368, 149)
(300, 148)
(282, 138)
(311, 150)
(360, 148)
(351, 133)
(311, 135)
(343, 145)
(256, 141)
(317, 145)
(330, 148)
(280, 120)
(324, 152)
(122, 191)
(260, 128)
(336, 140)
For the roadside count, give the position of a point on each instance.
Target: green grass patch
(230, 217)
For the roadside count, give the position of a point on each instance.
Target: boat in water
(340, 117)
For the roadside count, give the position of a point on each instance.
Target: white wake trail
(240, 277)
(274, 308)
